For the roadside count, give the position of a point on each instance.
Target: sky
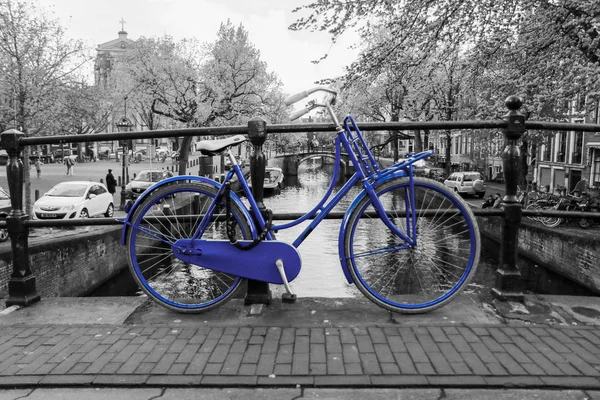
(287, 53)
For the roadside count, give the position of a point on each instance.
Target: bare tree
(38, 63)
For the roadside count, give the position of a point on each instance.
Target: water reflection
(321, 274)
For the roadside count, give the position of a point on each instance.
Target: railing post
(508, 277)
(258, 292)
(21, 286)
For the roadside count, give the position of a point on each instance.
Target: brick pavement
(438, 355)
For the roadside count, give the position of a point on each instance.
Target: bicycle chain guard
(258, 264)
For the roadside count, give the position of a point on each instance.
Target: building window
(596, 169)
(561, 146)
(547, 150)
(577, 148)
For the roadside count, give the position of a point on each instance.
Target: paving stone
(178, 369)
(284, 355)
(438, 335)
(282, 369)
(197, 364)
(265, 365)
(301, 345)
(377, 335)
(405, 363)
(300, 364)
(425, 368)
(317, 335)
(231, 364)
(335, 364)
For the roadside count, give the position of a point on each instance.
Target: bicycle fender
(127, 220)
(344, 224)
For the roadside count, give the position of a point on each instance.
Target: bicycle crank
(261, 263)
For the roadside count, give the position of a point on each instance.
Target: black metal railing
(22, 287)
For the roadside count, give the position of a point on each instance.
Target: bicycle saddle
(212, 147)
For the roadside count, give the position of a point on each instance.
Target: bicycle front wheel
(168, 214)
(412, 278)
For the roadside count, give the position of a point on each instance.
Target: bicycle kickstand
(288, 297)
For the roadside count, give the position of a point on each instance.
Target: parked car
(499, 177)
(138, 156)
(144, 180)
(75, 199)
(470, 182)
(5, 208)
(3, 157)
(161, 152)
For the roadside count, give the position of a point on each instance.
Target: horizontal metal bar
(332, 215)
(290, 128)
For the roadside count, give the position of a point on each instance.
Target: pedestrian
(38, 167)
(497, 201)
(489, 202)
(111, 182)
(69, 162)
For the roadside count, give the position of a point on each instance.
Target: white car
(470, 182)
(75, 199)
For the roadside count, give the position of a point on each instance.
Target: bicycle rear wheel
(170, 213)
(412, 279)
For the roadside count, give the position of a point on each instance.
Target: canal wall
(569, 251)
(69, 263)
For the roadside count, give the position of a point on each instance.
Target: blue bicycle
(408, 243)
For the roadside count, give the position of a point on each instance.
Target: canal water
(321, 274)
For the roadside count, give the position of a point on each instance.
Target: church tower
(107, 54)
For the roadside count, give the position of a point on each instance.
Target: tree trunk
(418, 142)
(394, 135)
(184, 151)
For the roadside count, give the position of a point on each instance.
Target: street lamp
(124, 125)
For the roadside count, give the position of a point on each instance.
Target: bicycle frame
(324, 207)
(377, 240)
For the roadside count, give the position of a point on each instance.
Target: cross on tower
(122, 21)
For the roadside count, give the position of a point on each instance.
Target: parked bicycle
(408, 243)
(558, 200)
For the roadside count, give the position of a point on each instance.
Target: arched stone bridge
(289, 163)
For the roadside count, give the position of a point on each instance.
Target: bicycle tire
(533, 206)
(173, 284)
(414, 279)
(551, 222)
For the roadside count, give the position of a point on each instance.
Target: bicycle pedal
(288, 298)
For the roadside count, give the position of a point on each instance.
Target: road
(91, 171)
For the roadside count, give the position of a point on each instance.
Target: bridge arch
(289, 163)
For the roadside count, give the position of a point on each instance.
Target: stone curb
(305, 381)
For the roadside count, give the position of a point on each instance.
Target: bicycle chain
(230, 223)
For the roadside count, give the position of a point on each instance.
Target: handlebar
(302, 95)
(299, 113)
(311, 104)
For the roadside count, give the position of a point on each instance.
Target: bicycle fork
(410, 237)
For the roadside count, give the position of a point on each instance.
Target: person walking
(69, 162)
(111, 182)
(38, 168)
